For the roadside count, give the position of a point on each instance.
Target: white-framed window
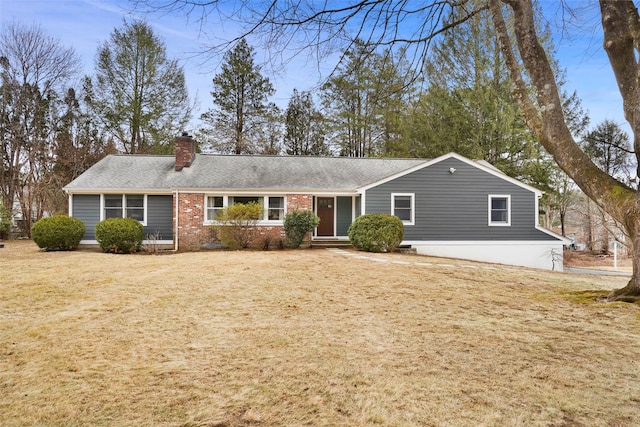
(499, 210)
(125, 206)
(275, 210)
(273, 213)
(403, 206)
(215, 206)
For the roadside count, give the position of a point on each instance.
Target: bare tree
(34, 69)
(414, 25)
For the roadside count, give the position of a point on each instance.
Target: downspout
(175, 239)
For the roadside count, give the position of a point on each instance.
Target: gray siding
(87, 209)
(160, 217)
(455, 206)
(343, 215)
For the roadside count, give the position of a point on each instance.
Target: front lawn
(308, 337)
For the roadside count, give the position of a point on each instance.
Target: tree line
(375, 104)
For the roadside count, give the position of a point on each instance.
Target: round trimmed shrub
(297, 224)
(376, 232)
(57, 233)
(120, 235)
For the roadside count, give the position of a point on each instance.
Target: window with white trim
(403, 206)
(499, 210)
(215, 206)
(274, 212)
(124, 206)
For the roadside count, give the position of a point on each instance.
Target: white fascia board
(491, 170)
(563, 239)
(265, 192)
(153, 192)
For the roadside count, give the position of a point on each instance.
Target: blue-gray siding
(86, 207)
(160, 216)
(344, 215)
(454, 206)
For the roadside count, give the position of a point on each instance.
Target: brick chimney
(185, 151)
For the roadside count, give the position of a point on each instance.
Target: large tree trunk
(544, 116)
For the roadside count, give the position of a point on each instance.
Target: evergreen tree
(240, 95)
(304, 127)
(364, 101)
(609, 147)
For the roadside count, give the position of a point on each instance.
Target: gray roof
(222, 172)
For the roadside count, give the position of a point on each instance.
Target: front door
(324, 209)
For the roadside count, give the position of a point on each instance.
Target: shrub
(57, 233)
(119, 235)
(297, 225)
(5, 220)
(376, 232)
(236, 226)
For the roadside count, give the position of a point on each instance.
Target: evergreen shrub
(297, 224)
(58, 233)
(120, 235)
(236, 225)
(376, 232)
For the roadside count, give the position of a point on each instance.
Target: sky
(84, 24)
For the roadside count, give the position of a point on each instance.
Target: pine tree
(304, 127)
(240, 95)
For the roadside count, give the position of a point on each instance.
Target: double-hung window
(403, 206)
(215, 206)
(499, 210)
(124, 206)
(275, 212)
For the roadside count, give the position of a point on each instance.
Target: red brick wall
(299, 202)
(192, 233)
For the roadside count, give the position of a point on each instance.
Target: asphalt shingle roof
(222, 172)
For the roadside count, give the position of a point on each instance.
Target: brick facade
(193, 233)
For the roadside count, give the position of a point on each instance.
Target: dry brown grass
(308, 337)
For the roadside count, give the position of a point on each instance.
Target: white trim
(335, 215)
(413, 206)
(124, 205)
(167, 192)
(144, 242)
(70, 196)
(499, 223)
(354, 207)
(265, 204)
(267, 192)
(491, 170)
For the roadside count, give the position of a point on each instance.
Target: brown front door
(325, 207)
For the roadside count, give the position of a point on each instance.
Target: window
(215, 205)
(124, 206)
(499, 210)
(402, 206)
(275, 206)
(275, 212)
(112, 206)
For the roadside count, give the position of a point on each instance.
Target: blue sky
(83, 24)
